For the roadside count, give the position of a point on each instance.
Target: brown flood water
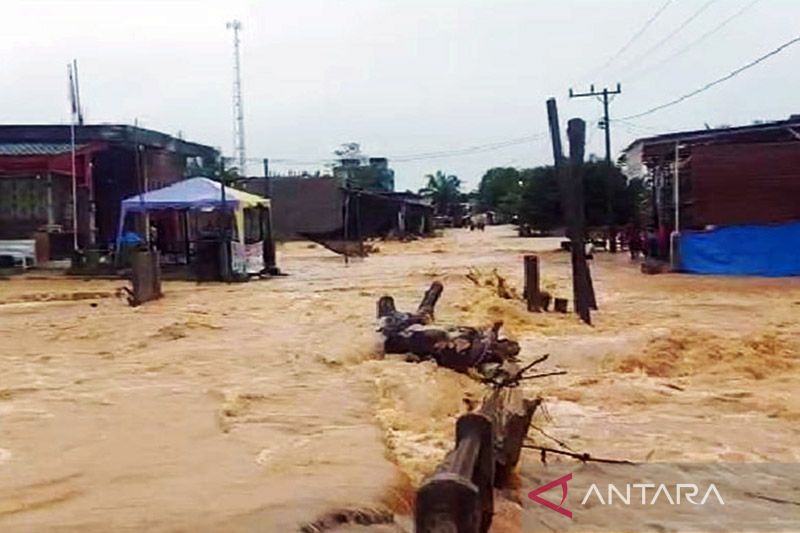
(260, 406)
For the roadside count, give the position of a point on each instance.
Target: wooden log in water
(460, 495)
(457, 348)
(429, 300)
(511, 440)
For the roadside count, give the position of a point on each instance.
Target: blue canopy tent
(201, 194)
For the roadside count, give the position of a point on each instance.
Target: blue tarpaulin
(752, 250)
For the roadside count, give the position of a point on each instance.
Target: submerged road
(257, 407)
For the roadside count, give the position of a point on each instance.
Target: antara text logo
(629, 494)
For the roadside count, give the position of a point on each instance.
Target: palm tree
(443, 190)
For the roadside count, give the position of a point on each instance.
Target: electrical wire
(469, 150)
(633, 126)
(717, 81)
(672, 34)
(636, 35)
(694, 43)
(625, 47)
(423, 155)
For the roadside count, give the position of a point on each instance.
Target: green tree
(538, 203)
(500, 190)
(443, 190)
(540, 200)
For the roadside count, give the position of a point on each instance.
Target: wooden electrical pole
(581, 277)
(606, 125)
(572, 205)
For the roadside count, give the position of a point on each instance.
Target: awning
(192, 193)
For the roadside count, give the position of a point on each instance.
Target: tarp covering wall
(751, 250)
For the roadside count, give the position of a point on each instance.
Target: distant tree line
(532, 195)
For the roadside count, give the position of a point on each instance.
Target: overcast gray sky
(399, 76)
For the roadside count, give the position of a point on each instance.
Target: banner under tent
(250, 237)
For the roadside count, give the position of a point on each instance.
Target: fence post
(514, 433)
(145, 277)
(460, 497)
(532, 290)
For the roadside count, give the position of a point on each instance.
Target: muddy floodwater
(262, 406)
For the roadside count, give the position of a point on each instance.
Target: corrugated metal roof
(23, 149)
(128, 136)
(735, 132)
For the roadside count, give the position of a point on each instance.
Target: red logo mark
(534, 495)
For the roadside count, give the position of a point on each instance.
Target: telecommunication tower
(238, 108)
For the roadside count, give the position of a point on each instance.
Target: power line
(672, 34)
(697, 41)
(425, 155)
(634, 127)
(637, 126)
(469, 150)
(709, 85)
(636, 35)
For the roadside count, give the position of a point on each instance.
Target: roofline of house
(111, 133)
(706, 134)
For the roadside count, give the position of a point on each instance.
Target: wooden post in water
(514, 433)
(572, 204)
(460, 495)
(145, 277)
(532, 293)
(581, 280)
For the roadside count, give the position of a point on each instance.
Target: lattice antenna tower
(238, 106)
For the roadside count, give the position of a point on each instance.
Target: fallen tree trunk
(459, 496)
(458, 348)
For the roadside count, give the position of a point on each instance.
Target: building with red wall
(739, 185)
(112, 162)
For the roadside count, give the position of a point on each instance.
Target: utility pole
(570, 183)
(73, 117)
(77, 92)
(582, 291)
(606, 125)
(238, 107)
(674, 238)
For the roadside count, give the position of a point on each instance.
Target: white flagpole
(74, 173)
